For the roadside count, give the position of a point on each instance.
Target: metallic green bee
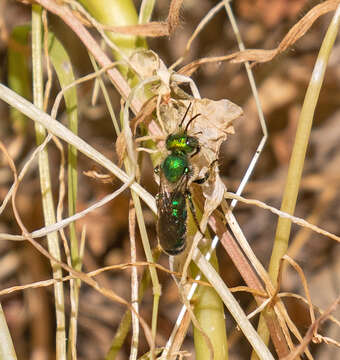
(175, 172)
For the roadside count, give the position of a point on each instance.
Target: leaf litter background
(282, 84)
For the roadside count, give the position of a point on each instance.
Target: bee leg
(193, 211)
(157, 169)
(198, 149)
(206, 175)
(203, 179)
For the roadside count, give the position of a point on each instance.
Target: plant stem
(45, 182)
(118, 13)
(298, 157)
(209, 312)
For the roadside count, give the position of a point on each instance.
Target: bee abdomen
(172, 225)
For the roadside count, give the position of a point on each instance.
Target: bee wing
(171, 222)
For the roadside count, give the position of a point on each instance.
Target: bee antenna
(190, 121)
(186, 113)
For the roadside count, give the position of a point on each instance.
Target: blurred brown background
(281, 84)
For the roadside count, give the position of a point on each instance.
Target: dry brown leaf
(144, 115)
(259, 55)
(104, 178)
(152, 29)
(211, 128)
(190, 68)
(173, 17)
(147, 63)
(120, 148)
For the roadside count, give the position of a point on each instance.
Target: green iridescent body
(173, 193)
(175, 166)
(181, 142)
(172, 220)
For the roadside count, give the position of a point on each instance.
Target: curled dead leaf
(121, 148)
(145, 114)
(153, 28)
(260, 55)
(146, 63)
(211, 128)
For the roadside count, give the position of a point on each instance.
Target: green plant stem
(146, 10)
(18, 80)
(297, 159)
(63, 68)
(148, 252)
(121, 13)
(45, 182)
(115, 13)
(18, 72)
(106, 96)
(149, 256)
(118, 13)
(208, 308)
(233, 306)
(209, 312)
